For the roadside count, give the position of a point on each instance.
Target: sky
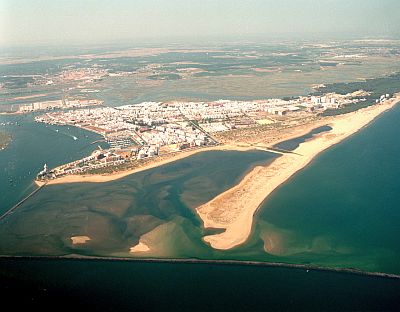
(101, 21)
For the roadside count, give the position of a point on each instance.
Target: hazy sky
(76, 21)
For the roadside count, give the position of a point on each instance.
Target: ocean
(104, 285)
(343, 209)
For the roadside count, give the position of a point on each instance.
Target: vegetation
(165, 77)
(375, 86)
(348, 108)
(111, 169)
(15, 82)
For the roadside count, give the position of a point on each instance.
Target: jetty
(13, 208)
(276, 150)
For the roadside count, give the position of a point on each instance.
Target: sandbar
(141, 247)
(80, 239)
(233, 210)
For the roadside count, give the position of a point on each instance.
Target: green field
(375, 86)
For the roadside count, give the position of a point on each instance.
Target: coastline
(155, 162)
(234, 209)
(294, 132)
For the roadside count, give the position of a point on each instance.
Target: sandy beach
(234, 209)
(165, 159)
(155, 162)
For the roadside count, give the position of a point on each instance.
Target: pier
(98, 141)
(13, 208)
(276, 150)
(281, 150)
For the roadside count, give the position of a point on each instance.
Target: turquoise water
(343, 209)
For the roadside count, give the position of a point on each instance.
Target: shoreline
(158, 161)
(166, 159)
(12, 113)
(309, 267)
(233, 210)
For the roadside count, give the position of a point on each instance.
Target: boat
(75, 138)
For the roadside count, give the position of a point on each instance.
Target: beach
(260, 144)
(234, 209)
(155, 162)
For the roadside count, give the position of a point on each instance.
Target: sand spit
(233, 210)
(80, 239)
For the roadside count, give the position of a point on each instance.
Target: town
(58, 104)
(149, 129)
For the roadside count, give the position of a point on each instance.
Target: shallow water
(34, 144)
(292, 144)
(115, 214)
(343, 209)
(340, 211)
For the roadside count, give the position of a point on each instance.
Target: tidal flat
(326, 223)
(115, 214)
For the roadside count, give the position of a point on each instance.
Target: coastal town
(151, 129)
(58, 104)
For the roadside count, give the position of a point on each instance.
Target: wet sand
(234, 209)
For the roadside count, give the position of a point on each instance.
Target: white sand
(233, 210)
(80, 239)
(141, 247)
